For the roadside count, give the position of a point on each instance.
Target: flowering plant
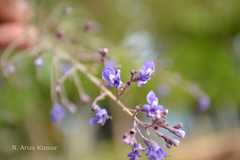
(66, 66)
(154, 113)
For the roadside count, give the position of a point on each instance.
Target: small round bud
(175, 142)
(165, 111)
(133, 71)
(180, 133)
(156, 127)
(178, 126)
(58, 88)
(59, 34)
(168, 145)
(132, 132)
(85, 98)
(103, 51)
(95, 107)
(90, 26)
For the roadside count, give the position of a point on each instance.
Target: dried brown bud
(103, 51)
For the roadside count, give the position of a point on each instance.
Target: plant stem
(99, 98)
(81, 67)
(98, 83)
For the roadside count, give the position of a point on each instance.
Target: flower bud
(178, 126)
(180, 133)
(175, 142)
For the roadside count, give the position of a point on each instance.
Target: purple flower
(203, 103)
(152, 99)
(155, 152)
(101, 116)
(153, 109)
(111, 75)
(145, 73)
(135, 154)
(57, 113)
(39, 61)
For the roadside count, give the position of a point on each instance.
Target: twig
(81, 67)
(99, 98)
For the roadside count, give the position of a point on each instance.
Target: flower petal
(152, 98)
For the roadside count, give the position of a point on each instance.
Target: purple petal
(101, 116)
(160, 107)
(145, 73)
(93, 121)
(203, 103)
(39, 62)
(146, 107)
(149, 67)
(57, 113)
(155, 152)
(111, 75)
(152, 98)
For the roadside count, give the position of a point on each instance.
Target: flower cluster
(152, 110)
(145, 73)
(111, 75)
(155, 113)
(135, 153)
(154, 151)
(112, 78)
(101, 116)
(66, 66)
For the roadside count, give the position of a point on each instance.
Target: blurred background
(196, 44)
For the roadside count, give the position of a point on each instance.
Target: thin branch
(81, 92)
(81, 67)
(99, 98)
